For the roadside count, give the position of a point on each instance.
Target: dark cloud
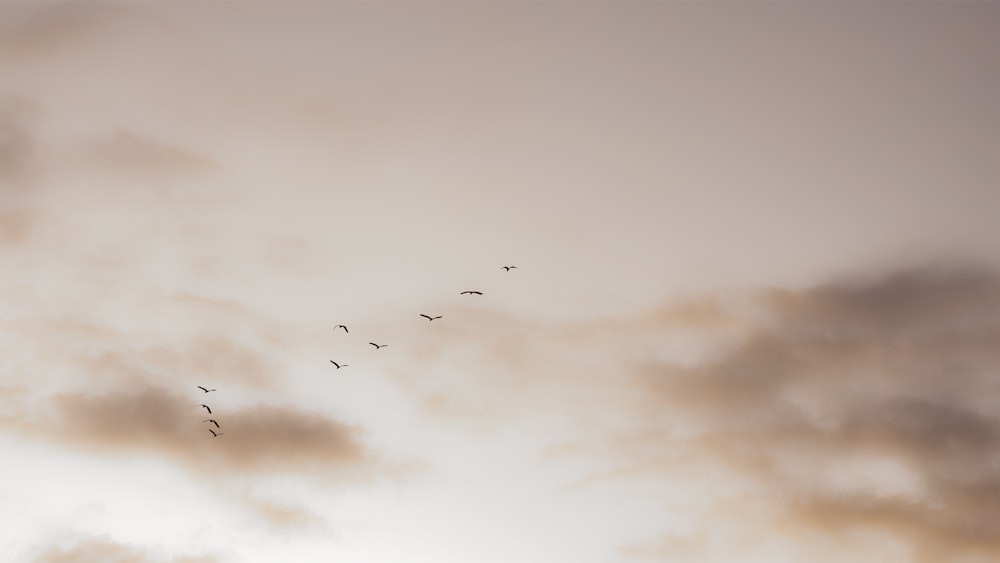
(903, 369)
(897, 306)
(260, 439)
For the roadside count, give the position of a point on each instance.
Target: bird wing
(216, 424)
(425, 316)
(373, 344)
(203, 389)
(208, 409)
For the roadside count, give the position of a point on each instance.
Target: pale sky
(755, 315)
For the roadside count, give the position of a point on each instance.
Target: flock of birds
(429, 318)
(335, 364)
(209, 409)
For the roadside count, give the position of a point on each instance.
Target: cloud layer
(854, 408)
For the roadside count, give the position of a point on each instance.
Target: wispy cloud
(16, 225)
(31, 31)
(18, 146)
(130, 155)
(283, 517)
(101, 550)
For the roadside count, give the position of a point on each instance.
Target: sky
(755, 315)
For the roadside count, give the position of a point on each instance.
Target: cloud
(16, 225)
(219, 358)
(864, 406)
(283, 517)
(259, 439)
(30, 31)
(130, 155)
(18, 147)
(830, 415)
(100, 550)
(98, 354)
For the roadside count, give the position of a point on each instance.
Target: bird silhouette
(377, 346)
(212, 420)
(208, 409)
(214, 435)
(205, 390)
(338, 365)
(508, 268)
(471, 293)
(430, 318)
(343, 327)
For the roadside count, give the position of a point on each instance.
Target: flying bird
(205, 390)
(214, 435)
(338, 365)
(471, 293)
(212, 420)
(377, 346)
(430, 318)
(508, 268)
(341, 326)
(208, 409)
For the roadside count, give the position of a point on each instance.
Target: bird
(430, 318)
(205, 390)
(343, 327)
(471, 293)
(208, 409)
(508, 268)
(212, 420)
(214, 435)
(377, 346)
(338, 365)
